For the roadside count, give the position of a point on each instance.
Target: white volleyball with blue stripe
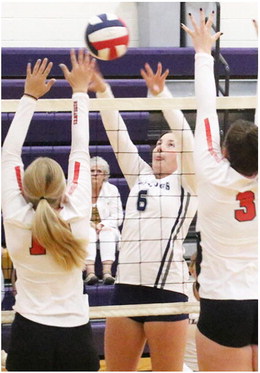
(107, 36)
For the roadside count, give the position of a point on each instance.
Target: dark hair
(241, 144)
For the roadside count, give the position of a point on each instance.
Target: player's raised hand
(154, 81)
(202, 38)
(97, 83)
(255, 23)
(35, 82)
(82, 70)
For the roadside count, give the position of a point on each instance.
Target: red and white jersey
(158, 211)
(227, 215)
(47, 293)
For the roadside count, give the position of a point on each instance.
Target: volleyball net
(44, 106)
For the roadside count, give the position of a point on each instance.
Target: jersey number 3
(37, 249)
(248, 210)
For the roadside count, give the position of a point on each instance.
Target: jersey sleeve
(12, 165)
(207, 138)
(184, 140)
(79, 181)
(131, 164)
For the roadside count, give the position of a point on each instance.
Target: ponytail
(54, 234)
(44, 185)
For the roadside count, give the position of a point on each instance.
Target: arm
(207, 138)
(126, 152)
(79, 183)
(183, 135)
(12, 165)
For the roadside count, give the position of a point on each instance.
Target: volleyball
(107, 36)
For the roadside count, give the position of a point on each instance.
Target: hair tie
(42, 198)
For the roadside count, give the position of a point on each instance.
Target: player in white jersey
(45, 227)
(227, 217)
(159, 210)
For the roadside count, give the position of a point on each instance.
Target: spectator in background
(107, 216)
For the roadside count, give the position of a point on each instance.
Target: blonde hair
(44, 185)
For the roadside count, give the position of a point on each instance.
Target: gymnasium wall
(62, 23)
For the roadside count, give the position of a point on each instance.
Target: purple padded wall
(180, 61)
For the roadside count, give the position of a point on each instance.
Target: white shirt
(109, 206)
(47, 293)
(227, 221)
(158, 211)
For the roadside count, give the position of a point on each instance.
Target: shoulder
(109, 187)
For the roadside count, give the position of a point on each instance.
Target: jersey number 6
(248, 211)
(142, 201)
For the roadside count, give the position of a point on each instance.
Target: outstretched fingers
(29, 69)
(81, 57)
(210, 20)
(193, 22)
(187, 29)
(165, 74)
(217, 35)
(42, 66)
(36, 66)
(49, 84)
(73, 58)
(159, 70)
(65, 70)
(48, 69)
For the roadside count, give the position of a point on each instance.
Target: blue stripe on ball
(106, 23)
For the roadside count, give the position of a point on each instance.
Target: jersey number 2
(37, 249)
(248, 210)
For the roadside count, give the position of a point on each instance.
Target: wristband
(27, 94)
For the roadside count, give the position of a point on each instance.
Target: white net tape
(130, 310)
(133, 104)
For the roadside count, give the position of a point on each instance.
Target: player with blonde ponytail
(48, 228)
(45, 222)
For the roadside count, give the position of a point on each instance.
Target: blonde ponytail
(44, 186)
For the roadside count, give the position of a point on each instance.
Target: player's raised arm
(207, 145)
(125, 151)
(79, 77)
(184, 140)
(36, 85)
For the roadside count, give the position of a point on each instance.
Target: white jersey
(47, 293)
(158, 211)
(227, 215)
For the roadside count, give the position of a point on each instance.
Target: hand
(35, 83)
(100, 227)
(97, 83)
(154, 81)
(201, 36)
(82, 70)
(255, 23)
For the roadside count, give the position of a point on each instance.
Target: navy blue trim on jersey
(173, 240)
(170, 239)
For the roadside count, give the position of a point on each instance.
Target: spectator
(107, 216)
